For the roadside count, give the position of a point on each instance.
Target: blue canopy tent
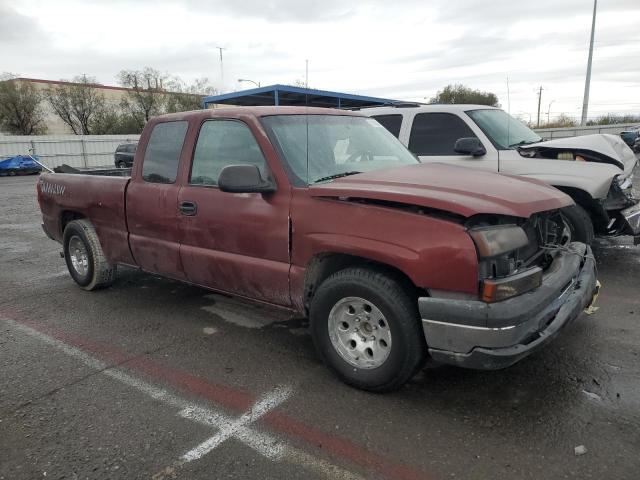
(295, 96)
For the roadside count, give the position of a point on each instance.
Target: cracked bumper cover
(490, 336)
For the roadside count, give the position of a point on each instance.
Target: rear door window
(222, 143)
(390, 122)
(436, 133)
(162, 155)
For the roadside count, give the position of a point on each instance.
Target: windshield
(318, 148)
(504, 131)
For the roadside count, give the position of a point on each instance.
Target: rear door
(433, 135)
(234, 242)
(152, 202)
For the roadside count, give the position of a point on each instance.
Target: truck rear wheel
(579, 223)
(366, 328)
(84, 256)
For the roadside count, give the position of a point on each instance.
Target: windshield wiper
(334, 176)
(524, 142)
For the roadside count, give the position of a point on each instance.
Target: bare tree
(21, 109)
(77, 103)
(183, 97)
(146, 97)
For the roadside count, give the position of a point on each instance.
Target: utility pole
(539, 100)
(306, 74)
(587, 83)
(221, 68)
(549, 111)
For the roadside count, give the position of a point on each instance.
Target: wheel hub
(359, 332)
(78, 255)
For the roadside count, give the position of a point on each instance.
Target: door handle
(188, 208)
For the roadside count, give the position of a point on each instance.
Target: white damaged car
(595, 170)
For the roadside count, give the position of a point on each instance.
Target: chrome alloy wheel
(359, 332)
(79, 255)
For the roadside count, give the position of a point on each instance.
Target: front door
(434, 134)
(234, 242)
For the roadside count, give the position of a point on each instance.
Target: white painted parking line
(237, 428)
(228, 426)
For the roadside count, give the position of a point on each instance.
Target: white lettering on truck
(52, 188)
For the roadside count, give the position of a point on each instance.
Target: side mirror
(243, 179)
(470, 146)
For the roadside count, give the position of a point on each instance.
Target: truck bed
(99, 196)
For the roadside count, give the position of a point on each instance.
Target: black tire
(391, 297)
(579, 223)
(97, 273)
(122, 164)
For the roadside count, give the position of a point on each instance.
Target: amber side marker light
(495, 290)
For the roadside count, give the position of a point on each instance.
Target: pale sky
(403, 49)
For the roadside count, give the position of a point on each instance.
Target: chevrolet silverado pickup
(596, 171)
(325, 213)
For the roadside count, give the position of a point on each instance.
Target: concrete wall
(550, 133)
(74, 150)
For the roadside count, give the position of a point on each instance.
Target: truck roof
(258, 111)
(434, 107)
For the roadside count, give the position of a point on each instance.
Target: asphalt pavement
(156, 379)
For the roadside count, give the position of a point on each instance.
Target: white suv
(595, 170)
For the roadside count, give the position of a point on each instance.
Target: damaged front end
(533, 283)
(619, 212)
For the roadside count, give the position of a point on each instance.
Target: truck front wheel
(366, 328)
(579, 223)
(84, 256)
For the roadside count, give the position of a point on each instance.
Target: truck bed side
(101, 199)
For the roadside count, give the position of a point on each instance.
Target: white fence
(98, 150)
(74, 150)
(550, 133)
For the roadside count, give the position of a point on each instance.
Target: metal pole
(539, 100)
(221, 68)
(84, 152)
(306, 74)
(587, 83)
(549, 110)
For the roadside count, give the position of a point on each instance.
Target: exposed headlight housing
(497, 248)
(498, 240)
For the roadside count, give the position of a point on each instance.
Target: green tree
(461, 94)
(21, 109)
(112, 120)
(77, 103)
(613, 119)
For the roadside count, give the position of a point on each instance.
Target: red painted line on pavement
(232, 398)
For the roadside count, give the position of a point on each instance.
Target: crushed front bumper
(491, 336)
(631, 217)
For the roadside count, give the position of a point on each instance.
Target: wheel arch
(593, 207)
(67, 216)
(323, 265)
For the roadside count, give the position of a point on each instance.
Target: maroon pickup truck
(325, 213)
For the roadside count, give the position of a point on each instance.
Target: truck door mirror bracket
(470, 146)
(243, 179)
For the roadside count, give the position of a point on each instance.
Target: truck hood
(448, 188)
(607, 148)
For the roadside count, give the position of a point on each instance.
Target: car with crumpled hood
(596, 171)
(324, 213)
